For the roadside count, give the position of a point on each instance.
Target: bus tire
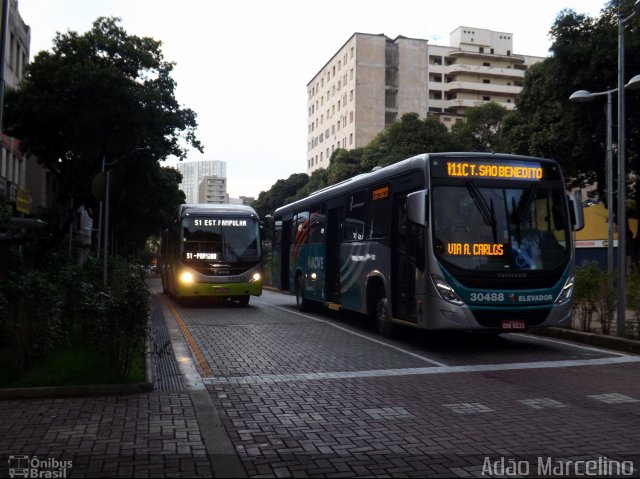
(383, 318)
(244, 300)
(301, 302)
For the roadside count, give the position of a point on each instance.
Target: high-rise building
(193, 172)
(372, 80)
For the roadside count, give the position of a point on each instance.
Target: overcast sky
(243, 65)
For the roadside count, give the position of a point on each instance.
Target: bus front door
(402, 264)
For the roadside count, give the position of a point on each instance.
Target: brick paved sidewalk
(153, 434)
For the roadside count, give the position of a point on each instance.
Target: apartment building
(194, 172)
(372, 80)
(13, 164)
(213, 189)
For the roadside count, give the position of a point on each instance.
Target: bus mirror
(417, 207)
(576, 212)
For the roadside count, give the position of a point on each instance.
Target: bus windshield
(220, 240)
(478, 227)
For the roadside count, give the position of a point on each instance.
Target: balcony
(482, 88)
(455, 68)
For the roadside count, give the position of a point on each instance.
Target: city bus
(212, 250)
(445, 241)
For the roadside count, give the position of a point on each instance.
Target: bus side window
(317, 225)
(356, 212)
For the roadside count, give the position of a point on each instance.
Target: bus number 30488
(486, 297)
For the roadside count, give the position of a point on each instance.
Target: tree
(481, 129)
(279, 194)
(98, 97)
(545, 123)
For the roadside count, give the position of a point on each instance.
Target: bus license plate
(513, 324)
(221, 290)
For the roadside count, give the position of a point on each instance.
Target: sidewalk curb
(592, 339)
(85, 390)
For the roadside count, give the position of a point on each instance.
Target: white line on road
(565, 343)
(281, 378)
(373, 340)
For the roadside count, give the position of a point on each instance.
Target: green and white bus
(212, 250)
(469, 241)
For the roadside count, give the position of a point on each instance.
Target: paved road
(320, 394)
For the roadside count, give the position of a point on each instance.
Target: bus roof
(418, 162)
(215, 209)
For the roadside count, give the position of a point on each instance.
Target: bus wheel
(303, 304)
(244, 300)
(383, 318)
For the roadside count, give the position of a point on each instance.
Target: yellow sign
(463, 169)
(23, 201)
(475, 249)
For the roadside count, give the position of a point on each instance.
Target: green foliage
(588, 280)
(40, 310)
(30, 316)
(279, 194)
(120, 326)
(481, 130)
(633, 302)
(107, 93)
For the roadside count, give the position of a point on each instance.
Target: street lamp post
(622, 219)
(106, 211)
(581, 96)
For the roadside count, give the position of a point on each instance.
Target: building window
(486, 98)
(486, 81)
(351, 138)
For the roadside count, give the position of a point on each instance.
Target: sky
(243, 65)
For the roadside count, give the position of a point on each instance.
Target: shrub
(588, 284)
(120, 327)
(30, 316)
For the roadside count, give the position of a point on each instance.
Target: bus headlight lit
(255, 277)
(186, 277)
(567, 291)
(445, 291)
(314, 276)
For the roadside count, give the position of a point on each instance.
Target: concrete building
(193, 172)
(372, 80)
(14, 177)
(213, 189)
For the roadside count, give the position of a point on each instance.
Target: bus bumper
(222, 290)
(443, 315)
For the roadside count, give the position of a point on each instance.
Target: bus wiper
(488, 214)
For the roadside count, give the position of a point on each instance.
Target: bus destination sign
(494, 170)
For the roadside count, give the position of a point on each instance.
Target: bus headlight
(567, 291)
(186, 277)
(445, 291)
(255, 277)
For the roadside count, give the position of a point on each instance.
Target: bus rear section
(213, 251)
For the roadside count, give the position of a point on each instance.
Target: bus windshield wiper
(488, 213)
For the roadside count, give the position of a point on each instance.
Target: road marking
(542, 403)
(342, 328)
(468, 408)
(613, 398)
(565, 343)
(379, 373)
(195, 349)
